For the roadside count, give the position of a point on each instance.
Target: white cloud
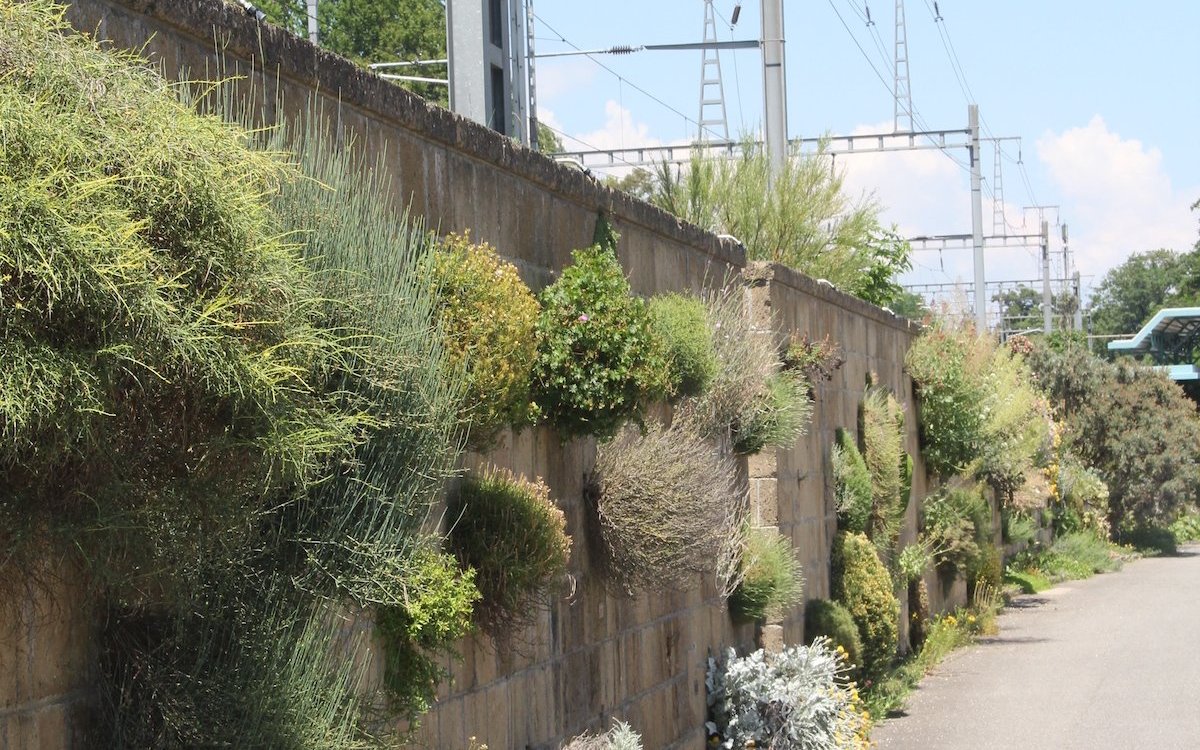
(1116, 196)
(562, 77)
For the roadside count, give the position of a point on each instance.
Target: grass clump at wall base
(508, 530)
(681, 323)
(488, 317)
(1077, 555)
(432, 611)
(666, 507)
(957, 522)
(828, 619)
(861, 584)
(772, 580)
(598, 362)
(777, 417)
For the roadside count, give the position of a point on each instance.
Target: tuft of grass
(772, 580)
(508, 530)
(1028, 581)
(681, 322)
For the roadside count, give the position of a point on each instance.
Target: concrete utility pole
(1047, 313)
(1067, 268)
(977, 221)
(312, 21)
(774, 84)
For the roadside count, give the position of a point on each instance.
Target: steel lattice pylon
(714, 125)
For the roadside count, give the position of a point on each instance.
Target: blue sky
(1104, 94)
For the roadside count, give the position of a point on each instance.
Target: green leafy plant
(1076, 555)
(824, 618)
(796, 698)
(681, 323)
(488, 317)
(598, 362)
(666, 508)
(431, 610)
(861, 583)
(508, 530)
(943, 364)
(1186, 528)
(771, 577)
(956, 526)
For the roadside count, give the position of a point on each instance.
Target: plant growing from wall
(432, 609)
(861, 583)
(598, 362)
(852, 484)
(815, 359)
(957, 523)
(488, 318)
(620, 736)
(752, 402)
(796, 698)
(508, 530)
(681, 323)
(771, 577)
(943, 364)
(667, 508)
(223, 386)
(825, 618)
(882, 426)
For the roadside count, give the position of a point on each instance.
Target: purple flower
(583, 318)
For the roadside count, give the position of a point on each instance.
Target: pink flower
(583, 318)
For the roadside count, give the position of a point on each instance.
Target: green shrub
(771, 580)
(1019, 527)
(1082, 499)
(777, 417)
(1135, 428)
(431, 611)
(508, 530)
(915, 559)
(918, 613)
(488, 317)
(598, 361)
(986, 569)
(852, 484)
(1028, 581)
(957, 526)
(1186, 528)
(942, 364)
(860, 582)
(1080, 554)
(828, 619)
(681, 323)
(795, 699)
(664, 499)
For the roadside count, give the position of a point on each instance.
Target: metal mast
(774, 85)
(714, 123)
(532, 86)
(999, 226)
(902, 92)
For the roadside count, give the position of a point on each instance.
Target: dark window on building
(496, 22)
(499, 116)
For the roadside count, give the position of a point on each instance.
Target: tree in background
(370, 31)
(548, 140)
(1132, 292)
(804, 219)
(910, 305)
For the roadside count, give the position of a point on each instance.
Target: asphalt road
(1110, 662)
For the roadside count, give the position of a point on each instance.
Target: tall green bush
(943, 365)
(598, 362)
(882, 418)
(861, 583)
(852, 484)
(824, 618)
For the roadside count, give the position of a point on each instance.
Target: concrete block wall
(599, 655)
